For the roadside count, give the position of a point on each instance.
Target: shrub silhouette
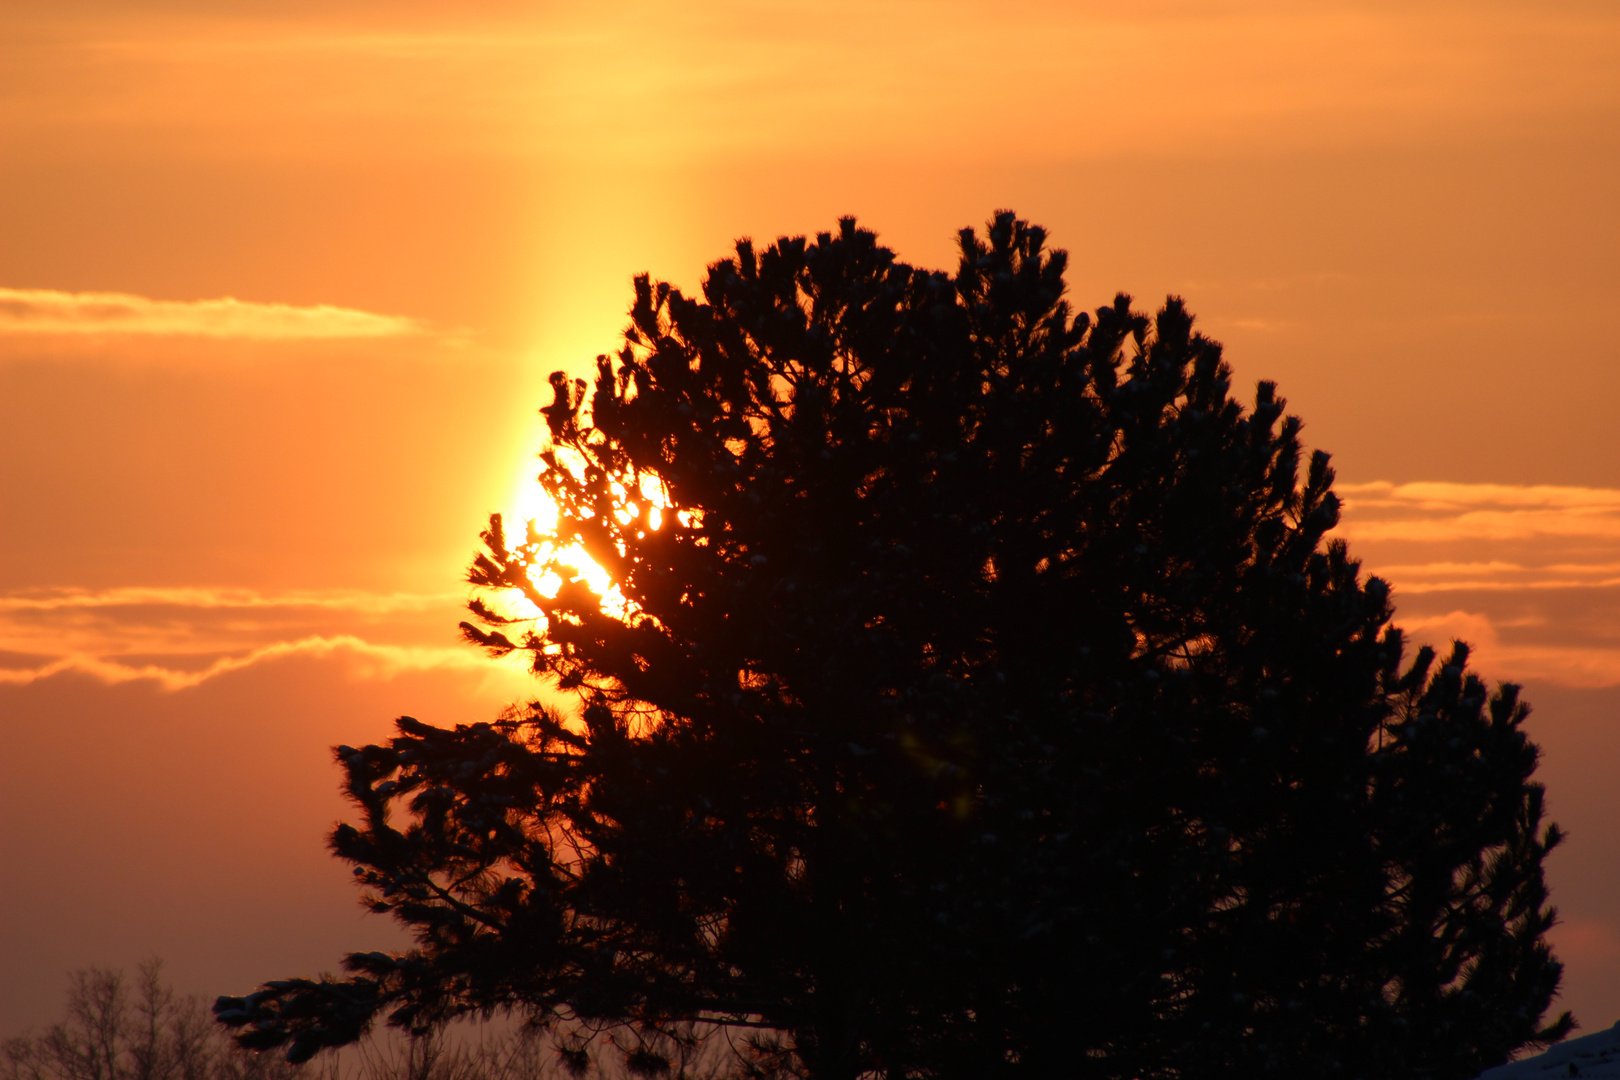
(981, 697)
(115, 1028)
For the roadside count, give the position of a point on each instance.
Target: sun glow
(534, 514)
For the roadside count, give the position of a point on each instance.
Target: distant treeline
(114, 1027)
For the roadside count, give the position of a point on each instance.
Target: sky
(281, 284)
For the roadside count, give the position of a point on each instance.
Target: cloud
(1515, 660)
(1496, 575)
(1439, 495)
(49, 312)
(373, 661)
(1486, 525)
(179, 637)
(1487, 585)
(211, 598)
(1431, 512)
(1536, 600)
(1525, 573)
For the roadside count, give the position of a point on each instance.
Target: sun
(529, 506)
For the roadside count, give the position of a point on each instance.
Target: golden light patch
(537, 516)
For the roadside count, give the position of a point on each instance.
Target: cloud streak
(179, 638)
(1524, 573)
(168, 633)
(1438, 495)
(1534, 594)
(45, 600)
(40, 312)
(1586, 665)
(1432, 512)
(374, 661)
(1499, 576)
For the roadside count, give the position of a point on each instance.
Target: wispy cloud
(1435, 512)
(1525, 573)
(375, 661)
(1432, 495)
(49, 312)
(180, 637)
(1514, 658)
(1498, 576)
(214, 598)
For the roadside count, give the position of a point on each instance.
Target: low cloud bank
(211, 598)
(1433, 512)
(183, 629)
(181, 637)
(49, 312)
(1528, 575)
(373, 661)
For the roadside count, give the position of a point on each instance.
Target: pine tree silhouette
(985, 701)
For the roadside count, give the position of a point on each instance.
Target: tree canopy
(979, 696)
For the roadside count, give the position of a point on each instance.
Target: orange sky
(279, 291)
